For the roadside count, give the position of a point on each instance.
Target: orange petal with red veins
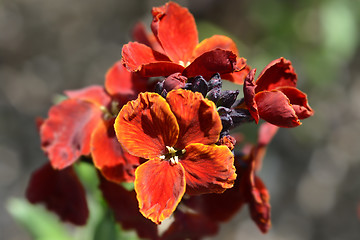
(94, 94)
(140, 58)
(145, 126)
(198, 120)
(122, 84)
(159, 187)
(175, 28)
(61, 192)
(238, 77)
(249, 95)
(208, 168)
(299, 101)
(278, 73)
(275, 108)
(65, 134)
(209, 63)
(216, 41)
(109, 157)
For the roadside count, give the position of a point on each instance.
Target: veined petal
(197, 118)
(216, 41)
(211, 62)
(238, 77)
(65, 134)
(208, 168)
(278, 73)
(145, 126)
(94, 94)
(140, 58)
(122, 84)
(275, 108)
(159, 187)
(299, 101)
(109, 157)
(61, 192)
(175, 28)
(249, 95)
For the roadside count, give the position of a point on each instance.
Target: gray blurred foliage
(312, 172)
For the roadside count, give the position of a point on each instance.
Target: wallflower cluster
(163, 121)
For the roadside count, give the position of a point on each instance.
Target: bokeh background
(312, 172)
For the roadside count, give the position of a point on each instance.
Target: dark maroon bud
(225, 118)
(227, 98)
(174, 81)
(240, 116)
(215, 81)
(214, 94)
(199, 84)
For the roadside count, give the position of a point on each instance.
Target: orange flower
(177, 136)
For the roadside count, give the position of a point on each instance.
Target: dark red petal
(140, 35)
(216, 41)
(259, 205)
(114, 162)
(126, 210)
(140, 58)
(278, 73)
(198, 120)
(238, 77)
(159, 187)
(175, 28)
(122, 84)
(94, 94)
(208, 168)
(190, 226)
(145, 126)
(299, 101)
(209, 63)
(274, 107)
(61, 192)
(65, 134)
(249, 95)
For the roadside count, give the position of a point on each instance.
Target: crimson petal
(94, 94)
(249, 95)
(61, 192)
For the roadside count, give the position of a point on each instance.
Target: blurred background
(312, 171)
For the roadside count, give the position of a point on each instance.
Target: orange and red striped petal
(275, 108)
(61, 192)
(65, 134)
(109, 157)
(249, 95)
(299, 101)
(94, 94)
(211, 62)
(140, 58)
(122, 84)
(175, 28)
(198, 120)
(278, 73)
(216, 41)
(145, 126)
(208, 168)
(159, 186)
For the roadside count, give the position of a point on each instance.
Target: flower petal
(197, 117)
(126, 210)
(145, 126)
(238, 77)
(159, 187)
(278, 73)
(61, 192)
(140, 58)
(94, 94)
(109, 157)
(216, 41)
(65, 134)
(299, 101)
(208, 168)
(211, 62)
(275, 108)
(175, 28)
(139, 34)
(249, 95)
(122, 84)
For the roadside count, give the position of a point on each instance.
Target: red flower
(177, 136)
(178, 50)
(274, 96)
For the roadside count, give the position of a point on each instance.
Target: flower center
(184, 64)
(173, 155)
